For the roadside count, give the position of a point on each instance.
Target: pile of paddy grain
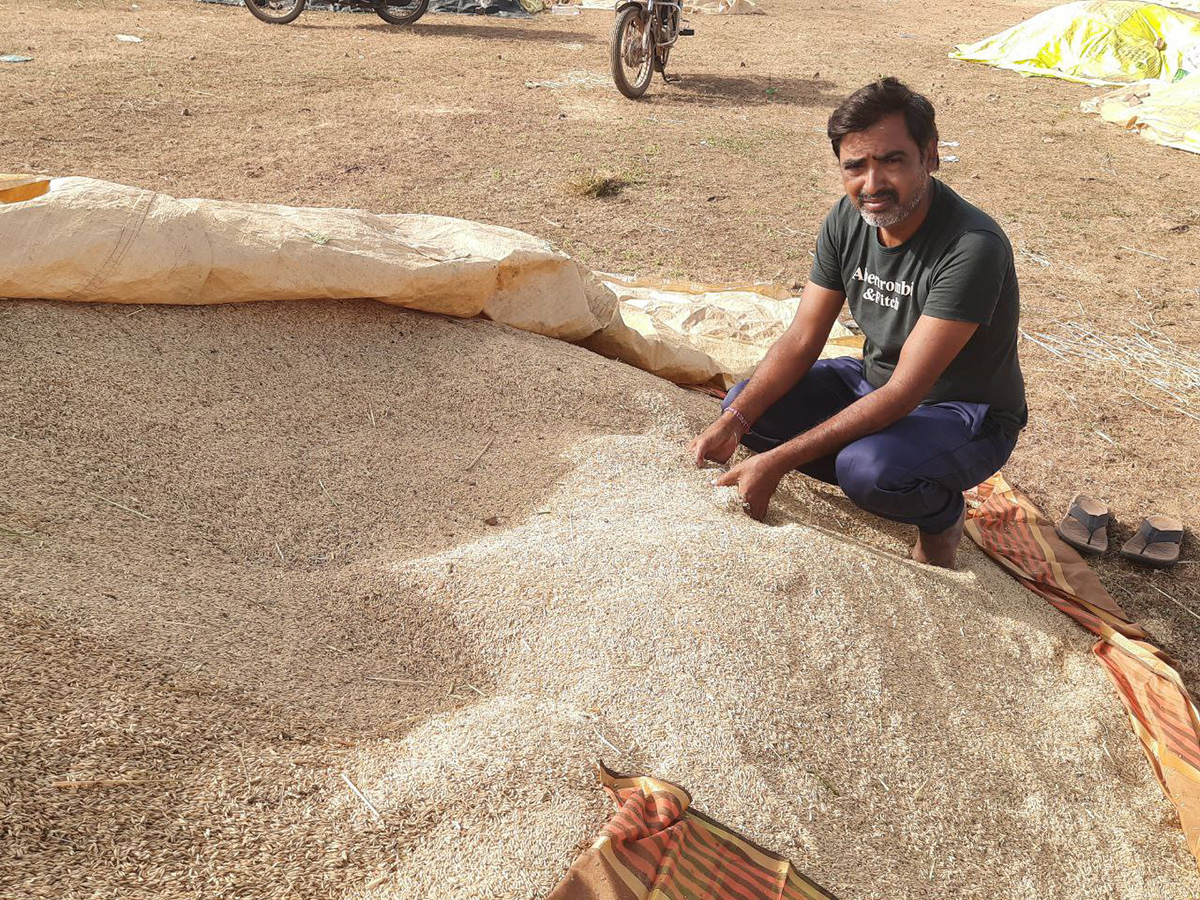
(262, 641)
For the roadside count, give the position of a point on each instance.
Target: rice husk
(261, 641)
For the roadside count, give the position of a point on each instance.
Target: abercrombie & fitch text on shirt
(896, 289)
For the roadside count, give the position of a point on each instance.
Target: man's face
(884, 172)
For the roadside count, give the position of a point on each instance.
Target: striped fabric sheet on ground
(656, 847)
(1014, 532)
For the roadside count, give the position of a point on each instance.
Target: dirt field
(729, 176)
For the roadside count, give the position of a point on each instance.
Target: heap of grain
(262, 641)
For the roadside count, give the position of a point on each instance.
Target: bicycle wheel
(275, 12)
(402, 13)
(631, 52)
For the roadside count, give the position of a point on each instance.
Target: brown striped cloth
(1015, 533)
(657, 847)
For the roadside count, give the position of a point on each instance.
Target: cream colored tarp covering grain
(735, 323)
(1112, 42)
(94, 241)
(1167, 114)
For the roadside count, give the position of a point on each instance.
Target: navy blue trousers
(914, 471)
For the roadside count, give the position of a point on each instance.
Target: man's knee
(880, 483)
(864, 474)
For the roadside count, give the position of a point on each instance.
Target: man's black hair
(881, 98)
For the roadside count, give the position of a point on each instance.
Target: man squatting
(936, 403)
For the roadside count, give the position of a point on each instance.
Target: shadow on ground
(484, 27)
(749, 90)
(509, 29)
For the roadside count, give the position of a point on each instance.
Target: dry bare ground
(728, 178)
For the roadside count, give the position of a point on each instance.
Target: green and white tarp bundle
(1105, 42)
(1151, 52)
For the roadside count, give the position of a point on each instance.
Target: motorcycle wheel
(402, 13)
(275, 12)
(631, 52)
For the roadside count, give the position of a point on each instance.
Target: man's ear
(932, 160)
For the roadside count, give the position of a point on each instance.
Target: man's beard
(888, 218)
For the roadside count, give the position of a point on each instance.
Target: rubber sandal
(1085, 526)
(1156, 543)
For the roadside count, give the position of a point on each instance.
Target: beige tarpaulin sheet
(1167, 114)
(735, 323)
(79, 239)
(1108, 42)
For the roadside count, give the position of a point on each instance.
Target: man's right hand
(718, 441)
(788, 360)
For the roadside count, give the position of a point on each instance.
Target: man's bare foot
(939, 549)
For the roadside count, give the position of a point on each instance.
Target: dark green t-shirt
(958, 265)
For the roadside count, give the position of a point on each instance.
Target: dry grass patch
(597, 184)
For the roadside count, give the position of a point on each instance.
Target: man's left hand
(757, 480)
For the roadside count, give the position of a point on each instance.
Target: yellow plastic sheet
(1111, 42)
(1167, 114)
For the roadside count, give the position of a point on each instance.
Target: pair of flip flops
(1085, 527)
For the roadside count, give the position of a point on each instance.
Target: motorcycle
(280, 12)
(641, 41)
